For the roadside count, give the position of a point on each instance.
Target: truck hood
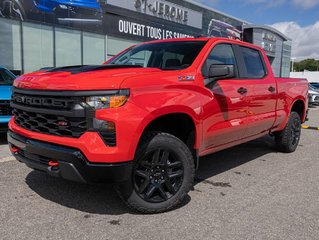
(5, 92)
(103, 77)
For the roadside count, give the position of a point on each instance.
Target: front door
(225, 114)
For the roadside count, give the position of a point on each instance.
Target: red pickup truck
(145, 117)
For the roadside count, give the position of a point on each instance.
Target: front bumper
(4, 120)
(71, 163)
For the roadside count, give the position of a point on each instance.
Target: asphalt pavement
(246, 192)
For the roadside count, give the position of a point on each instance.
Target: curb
(309, 127)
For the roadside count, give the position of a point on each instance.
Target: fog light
(106, 130)
(102, 125)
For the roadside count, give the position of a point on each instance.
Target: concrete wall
(310, 76)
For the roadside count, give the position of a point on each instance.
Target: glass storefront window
(286, 56)
(68, 49)
(10, 44)
(116, 45)
(94, 51)
(37, 47)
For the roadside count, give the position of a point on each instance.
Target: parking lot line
(7, 159)
(309, 127)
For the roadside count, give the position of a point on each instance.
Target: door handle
(242, 90)
(271, 89)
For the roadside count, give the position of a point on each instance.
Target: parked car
(64, 11)
(313, 96)
(6, 81)
(145, 126)
(315, 85)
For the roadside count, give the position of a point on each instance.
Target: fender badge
(62, 123)
(186, 78)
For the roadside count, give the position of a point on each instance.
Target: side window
(221, 54)
(254, 67)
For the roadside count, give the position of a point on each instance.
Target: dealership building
(38, 34)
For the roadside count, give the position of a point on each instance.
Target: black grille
(59, 113)
(51, 113)
(50, 124)
(54, 103)
(5, 109)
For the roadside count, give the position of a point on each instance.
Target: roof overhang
(268, 28)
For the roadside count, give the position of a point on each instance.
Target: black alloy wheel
(158, 176)
(295, 131)
(162, 175)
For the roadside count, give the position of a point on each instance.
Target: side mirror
(219, 71)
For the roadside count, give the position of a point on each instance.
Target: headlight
(108, 101)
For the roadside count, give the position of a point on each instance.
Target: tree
(307, 64)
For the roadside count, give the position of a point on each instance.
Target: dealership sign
(147, 31)
(269, 42)
(140, 30)
(162, 9)
(159, 8)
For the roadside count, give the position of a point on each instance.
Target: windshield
(162, 55)
(6, 77)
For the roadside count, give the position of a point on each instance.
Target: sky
(298, 19)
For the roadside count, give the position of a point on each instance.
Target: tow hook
(53, 166)
(14, 150)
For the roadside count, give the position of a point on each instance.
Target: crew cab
(145, 117)
(6, 81)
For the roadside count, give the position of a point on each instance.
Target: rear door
(261, 90)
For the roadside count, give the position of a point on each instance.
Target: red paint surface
(222, 116)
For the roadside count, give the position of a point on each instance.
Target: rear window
(254, 67)
(6, 77)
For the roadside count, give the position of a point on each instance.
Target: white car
(313, 96)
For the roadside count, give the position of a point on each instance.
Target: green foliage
(307, 64)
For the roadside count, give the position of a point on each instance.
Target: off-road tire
(287, 140)
(153, 142)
